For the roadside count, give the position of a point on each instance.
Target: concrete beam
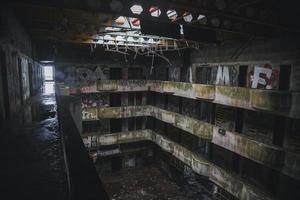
(229, 181)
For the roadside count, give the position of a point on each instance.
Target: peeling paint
(235, 96)
(204, 91)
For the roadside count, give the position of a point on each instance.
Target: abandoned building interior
(150, 99)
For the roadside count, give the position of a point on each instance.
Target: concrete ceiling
(80, 21)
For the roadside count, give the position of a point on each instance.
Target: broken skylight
(136, 9)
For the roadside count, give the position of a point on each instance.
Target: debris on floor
(147, 183)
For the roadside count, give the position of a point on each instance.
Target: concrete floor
(144, 183)
(147, 183)
(31, 152)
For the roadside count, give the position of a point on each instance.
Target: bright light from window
(188, 17)
(48, 73)
(49, 88)
(200, 17)
(172, 14)
(136, 9)
(120, 20)
(155, 11)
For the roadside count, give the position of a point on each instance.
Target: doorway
(48, 75)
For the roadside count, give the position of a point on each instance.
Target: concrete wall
(20, 74)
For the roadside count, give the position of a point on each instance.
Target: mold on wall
(229, 181)
(240, 144)
(82, 78)
(217, 75)
(277, 102)
(272, 156)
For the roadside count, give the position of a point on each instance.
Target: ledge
(262, 153)
(229, 181)
(270, 101)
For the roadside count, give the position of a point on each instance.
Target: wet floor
(32, 164)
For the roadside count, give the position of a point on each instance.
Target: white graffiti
(74, 75)
(223, 76)
(86, 115)
(226, 75)
(258, 79)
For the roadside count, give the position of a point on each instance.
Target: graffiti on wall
(226, 75)
(94, 100)
(84, 75)
(264, 77)
(89, 114)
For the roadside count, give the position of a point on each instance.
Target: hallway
(31, 151)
